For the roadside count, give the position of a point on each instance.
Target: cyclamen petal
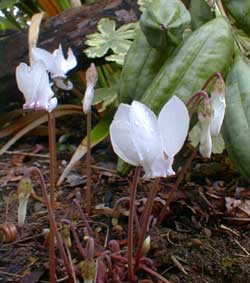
(63, 85)
(33, 82)
(61, 65)
(28, 80)
(174, 124)
(39, 54)
(145, 132)
(218, 103)
(121, 138)
(88, 99)
(160, 167)
(55, 63)
(205, 146)
(137, 138)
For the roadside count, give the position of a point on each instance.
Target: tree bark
(68, 28)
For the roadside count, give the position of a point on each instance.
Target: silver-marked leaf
(108, 38)
(118, 58)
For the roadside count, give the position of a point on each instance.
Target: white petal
(28, 81)
(169, 168)
(62, 65)
(205, 147)
(145, 132)
(60, 83)
(59, 64)
(52, 104)
(160, 167)
(88, 99)
(39, 54)
(44, 93)
(218, 107)
(120, 136)
(174, 124)
(71, 60)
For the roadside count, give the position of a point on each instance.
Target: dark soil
(204, 238)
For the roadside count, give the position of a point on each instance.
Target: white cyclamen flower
(56, 63)
(140, 139)
(91, 79)
(211, 114)
(33, 82)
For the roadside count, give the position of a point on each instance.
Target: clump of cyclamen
(33, 81)
(141, 139)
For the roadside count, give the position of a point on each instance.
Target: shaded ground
(205, 237)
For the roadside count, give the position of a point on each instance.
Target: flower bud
(88, 270)
(146, 245)
(204, 116)
(91, 78)
(66, 236)
(24, 190)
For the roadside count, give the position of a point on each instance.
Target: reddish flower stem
(181, 176)
(196, 96)
(52, 221)
(52, 156)
(141, 266)
(75, 236)
(137, 224)
(88, 198)
(84, 218)
(145, 219)
(154, 273)
(131, 218)
(214, 75)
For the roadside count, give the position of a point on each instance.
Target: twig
(27, 154)
(178, 264)
(244, 249)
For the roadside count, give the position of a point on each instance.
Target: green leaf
(200, 13)
(6, 24)
(104, 95)
(64, 4)
(143, 4)
(218, 144)
(4, 4)
(117, 58)
(108, 38)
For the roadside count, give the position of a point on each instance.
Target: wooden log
(68, 28)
